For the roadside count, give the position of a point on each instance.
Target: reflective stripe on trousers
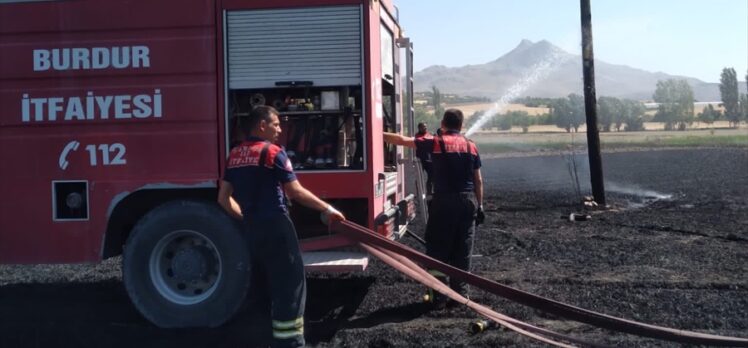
(288, 329)
(275, 251)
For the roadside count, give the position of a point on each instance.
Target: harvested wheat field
(671, 250)
(471, 108)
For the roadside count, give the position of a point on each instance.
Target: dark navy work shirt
(454, 167)
(257, 186)
(423, 153)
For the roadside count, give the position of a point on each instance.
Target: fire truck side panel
(102, 99)
(372, 71)
(388, 23)
(271, 4)
(364, 184)
(328, 185)
(377, 18)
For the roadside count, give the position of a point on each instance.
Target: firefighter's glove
(333, 214)
(480, 216)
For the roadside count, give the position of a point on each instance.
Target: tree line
(675, 103)
(674, 99)
(568, 113)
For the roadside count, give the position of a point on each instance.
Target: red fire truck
(117, 116)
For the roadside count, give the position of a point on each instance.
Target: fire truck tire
(186, 264)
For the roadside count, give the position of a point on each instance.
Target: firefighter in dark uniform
(257, 175)
(424, 155)
(457, 204)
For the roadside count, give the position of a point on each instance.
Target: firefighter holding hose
(257, 174)
(457, 204)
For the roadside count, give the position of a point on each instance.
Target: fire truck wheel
(186, 264)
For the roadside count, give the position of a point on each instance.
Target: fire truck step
(335, 261)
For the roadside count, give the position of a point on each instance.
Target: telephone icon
(71, 146)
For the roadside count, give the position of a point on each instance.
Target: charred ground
(672, 250)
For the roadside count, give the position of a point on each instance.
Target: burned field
(672, 250)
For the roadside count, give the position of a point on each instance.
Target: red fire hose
(404, 259)
(409, 268)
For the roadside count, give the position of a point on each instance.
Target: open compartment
(322, 127)
(311, 72)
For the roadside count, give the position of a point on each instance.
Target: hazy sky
(695, 38)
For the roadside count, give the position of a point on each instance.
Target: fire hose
(414, 271)
(406, 260)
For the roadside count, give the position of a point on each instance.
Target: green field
(549, 142)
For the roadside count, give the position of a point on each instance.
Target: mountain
(495, 78)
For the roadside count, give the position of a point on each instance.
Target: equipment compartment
(322, 127)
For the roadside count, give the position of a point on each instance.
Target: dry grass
(507, 142)
(470, 109)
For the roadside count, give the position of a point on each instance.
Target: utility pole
(590, 106)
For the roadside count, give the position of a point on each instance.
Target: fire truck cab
(117, 118)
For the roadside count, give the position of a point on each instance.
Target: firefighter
(257, 175)
(425, 156)
(457, 204)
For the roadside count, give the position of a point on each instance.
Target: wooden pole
(590, 106)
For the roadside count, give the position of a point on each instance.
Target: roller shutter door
(321, 44)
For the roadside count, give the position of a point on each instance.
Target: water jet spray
(537, 72)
